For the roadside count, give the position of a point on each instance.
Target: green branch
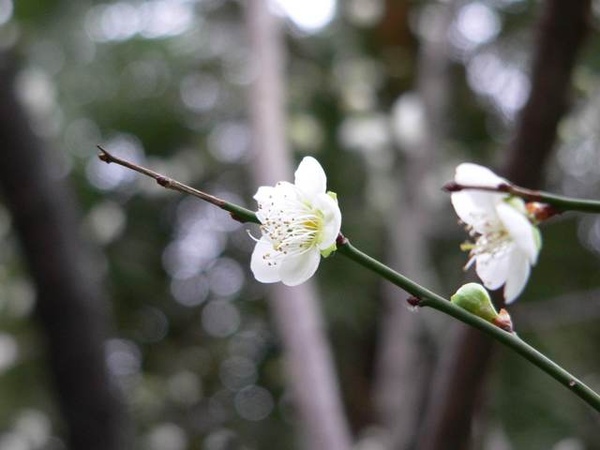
(427, 298)
(422, 296)
(559, 202)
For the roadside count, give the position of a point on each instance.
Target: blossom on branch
(506, 243)
(300, 223)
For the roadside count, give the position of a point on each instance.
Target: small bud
(540, 211)
(504, 321)
(475, 298)
(413, 303)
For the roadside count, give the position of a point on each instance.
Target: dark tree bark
(561, 32)
(70, 307)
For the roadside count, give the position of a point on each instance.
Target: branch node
(104, 157)
(414, 302)
(452, 186)
(164, 181)
(505, 187)
(341, 240)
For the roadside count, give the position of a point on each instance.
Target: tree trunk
(71, 309)
(309, 363)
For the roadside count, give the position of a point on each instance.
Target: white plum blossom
(506, 243)
(300, 222)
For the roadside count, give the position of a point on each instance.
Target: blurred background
(129, 318)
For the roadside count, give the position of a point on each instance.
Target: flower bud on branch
(475, 298)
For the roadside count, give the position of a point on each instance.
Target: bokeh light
(155, 19)
(123, 357)
(6, 11)
(505, 85)
(9, 351)
(309, 15)
(110, 176)
(476, 24)
(237, 372)
(166, 436)
(254, 403)
(220, 318)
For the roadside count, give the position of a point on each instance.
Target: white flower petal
(470, 174)
(473, 207)
(520, 229)
(310, 177)
(297, 222)
(493, 269)
(268, 197)
(518, 274)
(269, 194)
(259, 263)
(332, 219)
(477, 209)
(297, 269)
(508, 243)
(264, 193)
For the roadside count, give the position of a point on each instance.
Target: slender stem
(559, 202)
(422, 296)
(427, 298)
(237, 212)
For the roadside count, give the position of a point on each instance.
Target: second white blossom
(506, 242)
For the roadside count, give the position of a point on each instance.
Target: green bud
(475, 298)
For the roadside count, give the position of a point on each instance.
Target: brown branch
(237, 212)
(162, 180)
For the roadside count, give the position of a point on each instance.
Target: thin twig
(162, 180)
(559, 202)
(237, 212)
(426, 297)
